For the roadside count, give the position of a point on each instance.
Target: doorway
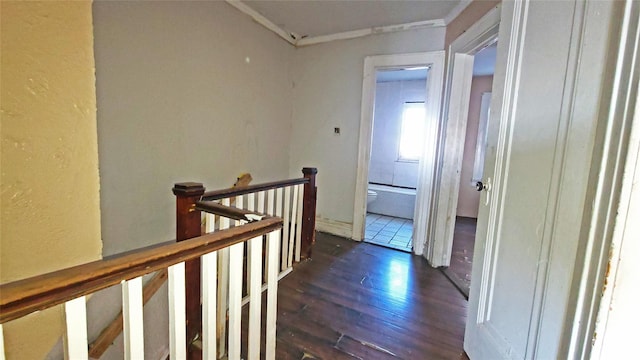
(396, 148)
(471, 173)
(433, 63)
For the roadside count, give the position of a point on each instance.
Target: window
(412, 131)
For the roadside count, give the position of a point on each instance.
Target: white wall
(389, 105)
(327, 94)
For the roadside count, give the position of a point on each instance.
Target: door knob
(480, 186)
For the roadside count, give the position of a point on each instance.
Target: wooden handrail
(225, 211)
(23, 297)
(227, 193)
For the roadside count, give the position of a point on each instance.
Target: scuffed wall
(50, 186)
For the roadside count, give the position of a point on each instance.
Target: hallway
(360, 301)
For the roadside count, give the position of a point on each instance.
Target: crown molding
(370, 31)
(295, 40)
(291, 38)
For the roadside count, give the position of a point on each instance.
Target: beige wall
(50, 203)
(468, 197)
(328, 94)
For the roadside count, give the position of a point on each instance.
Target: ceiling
(313, 18)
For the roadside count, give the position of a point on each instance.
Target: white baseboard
(334, 227)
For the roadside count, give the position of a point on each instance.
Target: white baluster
(1, 343)
(279, 213)
(273, 245)
(224, 221)
(76, 336)
(177, 312)
(238, 205)
(285, 227)
(209, 301)
(260, 208)
(209, 270)
(299, 222)
(210, 223)
(255, 296)
(223, 291)
(271, 201)
(292, 233)
(251, 200)
(235, 300)
(132, 319)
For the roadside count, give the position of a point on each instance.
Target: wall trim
(335, 227)
(291, 38)
(298, 41)
(370, 31)
(593, 257)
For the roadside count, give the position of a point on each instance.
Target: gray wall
(178, 101)
(327, 94)
(186, 91)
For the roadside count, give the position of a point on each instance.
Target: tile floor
(389, 231)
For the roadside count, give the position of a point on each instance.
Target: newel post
(188, 224)
(309, 213)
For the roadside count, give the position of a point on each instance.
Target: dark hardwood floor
(362, 301)
(459, 270)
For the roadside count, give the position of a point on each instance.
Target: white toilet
(371, 196)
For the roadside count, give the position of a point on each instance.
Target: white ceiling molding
(257, 17)
(370, 31)
(296, 40)
(456, 11)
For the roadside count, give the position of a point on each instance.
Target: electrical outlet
(336, 130)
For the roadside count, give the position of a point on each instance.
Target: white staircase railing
(70, 287)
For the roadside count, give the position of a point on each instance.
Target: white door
(541, 134)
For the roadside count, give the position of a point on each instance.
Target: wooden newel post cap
(309, 170)
(188, 189)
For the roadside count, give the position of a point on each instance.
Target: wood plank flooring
(361, 301)
(459, 270)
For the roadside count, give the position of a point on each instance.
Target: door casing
(451, 144)
(435, 61)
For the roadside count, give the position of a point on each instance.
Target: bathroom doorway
(433, 63)
(399, 121)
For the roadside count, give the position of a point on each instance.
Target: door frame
(599, 253)
(571, 334)
(451, 146)
(435, 60)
